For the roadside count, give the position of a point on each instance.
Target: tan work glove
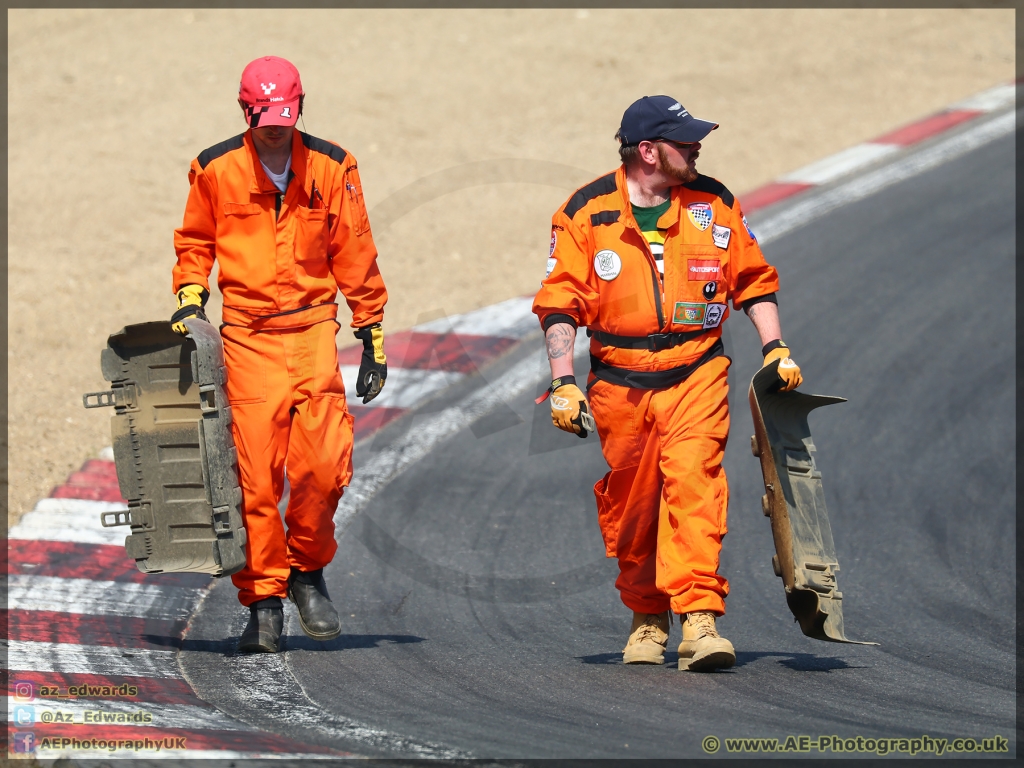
(789, 371)
(191, 300)
(569, 409)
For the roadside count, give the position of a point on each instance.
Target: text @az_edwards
(920, 745)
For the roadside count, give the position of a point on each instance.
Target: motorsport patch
(703, 269)
(701, 215)
(551, 267)
(749, 230)
(709, 290)
(714, 315)
(607, 264)
(554, 242)
(721, 235)
(687, 313)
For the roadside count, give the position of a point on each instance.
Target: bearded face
(684, 174)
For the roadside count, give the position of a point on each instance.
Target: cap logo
(286, 112)
(675, 106)
(268, 88)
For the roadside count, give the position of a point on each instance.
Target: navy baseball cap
(661, 117)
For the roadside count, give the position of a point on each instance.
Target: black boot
(263, 632)
(317, 616)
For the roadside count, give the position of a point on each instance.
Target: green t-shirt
(647, 220)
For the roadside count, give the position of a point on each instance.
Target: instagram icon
(24, 690)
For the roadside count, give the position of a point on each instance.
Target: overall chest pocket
(311, 237)
(699, 280)
(240, 218)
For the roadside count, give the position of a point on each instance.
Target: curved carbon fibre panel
(173, 448)
(795, 501)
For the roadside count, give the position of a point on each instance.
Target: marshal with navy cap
(649, 259)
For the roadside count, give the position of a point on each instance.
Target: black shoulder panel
(333, 151)
(603, 186)
(712, 187)
(207, 156)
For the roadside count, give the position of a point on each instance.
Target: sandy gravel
(107, 108)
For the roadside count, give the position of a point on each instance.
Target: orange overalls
(658, 388)
(282, 259)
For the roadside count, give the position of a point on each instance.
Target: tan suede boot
(703, 649)
(647, 639)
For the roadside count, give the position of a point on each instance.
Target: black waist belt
(655, 342)
(652, 379)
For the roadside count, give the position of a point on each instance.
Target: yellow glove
(569, 409)
(789, 371)
(191, 300)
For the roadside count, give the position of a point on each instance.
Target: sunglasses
(678, 144)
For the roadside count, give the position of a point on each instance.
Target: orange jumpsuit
(658, 386)
(282, 259)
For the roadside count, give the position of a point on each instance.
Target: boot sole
(257, 648)
(708, 662)
(322, 637)
(642, 658)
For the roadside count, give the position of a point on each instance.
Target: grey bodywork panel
(805, 556)
(175, 455)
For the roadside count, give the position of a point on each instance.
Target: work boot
(703, 649)
(263, 632)
(317, 616)
(647, 639)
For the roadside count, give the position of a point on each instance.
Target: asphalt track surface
(480, 614)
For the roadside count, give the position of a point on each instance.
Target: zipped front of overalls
(657, 284)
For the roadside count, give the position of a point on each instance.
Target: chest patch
(693, 313)
(714, 315)
(607, 264)
(700, 215)
(703, 269)
(554, 242)
(687, 313)
(721, 235)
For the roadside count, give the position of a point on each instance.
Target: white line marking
(162, 715)
(269, 687)
(863, 186)
(404, 388)
(102, 598)
(840, 164)
(68, 658)
(512, 318)
(75, 520)
(990, 100)
(419, 441)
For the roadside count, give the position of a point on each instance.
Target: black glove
(191, 300)
(373, 368)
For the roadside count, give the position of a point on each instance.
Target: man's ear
(242, 105)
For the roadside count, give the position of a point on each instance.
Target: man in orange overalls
(646, 258)
(283, 213)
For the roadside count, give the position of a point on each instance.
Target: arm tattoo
(559, 340)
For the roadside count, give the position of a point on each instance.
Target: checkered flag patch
(254, 116)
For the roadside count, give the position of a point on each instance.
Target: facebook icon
(24, 742)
